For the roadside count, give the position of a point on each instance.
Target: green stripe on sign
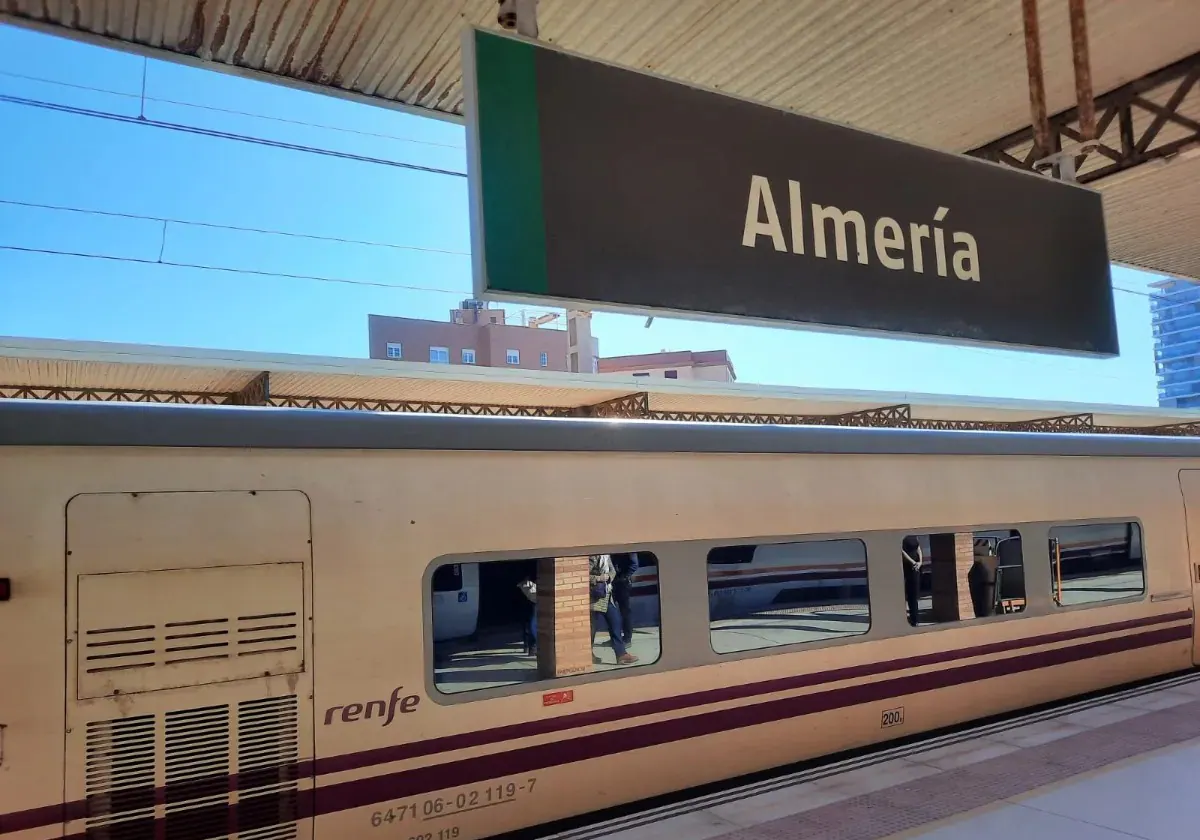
(510, 164)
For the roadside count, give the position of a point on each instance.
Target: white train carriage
(264, 624)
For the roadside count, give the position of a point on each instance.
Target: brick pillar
(564, 617)
(951, 559)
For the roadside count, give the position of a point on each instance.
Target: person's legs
(912, 590)
(621, 593)
(612, 617)
(595, 617)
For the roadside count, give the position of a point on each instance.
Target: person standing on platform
(601, 574)
(528, 588)
(911, 550)
(626, 565)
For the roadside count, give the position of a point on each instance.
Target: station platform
(1122, 766)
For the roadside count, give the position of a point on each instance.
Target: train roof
(67, 424)
(61, 370)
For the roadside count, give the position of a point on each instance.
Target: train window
(1099, 562)
(507, 622)
(762, 596)
(962, 576)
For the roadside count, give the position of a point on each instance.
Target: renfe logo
(352, 711)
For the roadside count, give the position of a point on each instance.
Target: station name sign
(615, 189)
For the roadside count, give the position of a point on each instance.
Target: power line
(277, 274)
(234, 111)
(239, 228)
(518, 316)
(223, 135)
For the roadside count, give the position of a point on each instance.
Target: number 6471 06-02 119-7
(446, 806)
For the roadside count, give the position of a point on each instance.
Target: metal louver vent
(120, 648)
(120, 779)
(197, 764)
(193, 641)
(268, 750)
(190, 780)
(146, 645)
(182, 628)
(268, 633)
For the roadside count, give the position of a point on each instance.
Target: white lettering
(888, 235)
(840, 220)
(891, 247)
(915, 234)
(939, 241)
(797, 213)
(966, 261)
(760, 197)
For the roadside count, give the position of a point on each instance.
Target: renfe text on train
(891, 248)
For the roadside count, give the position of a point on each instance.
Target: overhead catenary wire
(233, 111)
(348, 281)
(224, 135)
(239, 228)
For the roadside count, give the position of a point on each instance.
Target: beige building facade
(474, 335)
(477, 334)
(704, 366)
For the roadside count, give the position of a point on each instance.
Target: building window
(468, 356)
(488, 618)
(513, 357)
(995, 579)
(544, 359)
(671, 374)
(641, 374)
(1090, 563)
(394, 350)
(785, 594)
(439, 355)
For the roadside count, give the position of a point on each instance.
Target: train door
(188, 674)
(1189, 483)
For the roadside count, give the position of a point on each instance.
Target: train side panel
(388, 755)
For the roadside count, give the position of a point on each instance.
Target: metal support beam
(255, 392)
(1083, 70)
(888, 416)
(629, 407)
(1065, 423)
(412, 407)
(1117, 145)
(120, 395)
(1037, 85)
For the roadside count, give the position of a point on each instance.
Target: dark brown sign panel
(613, 188)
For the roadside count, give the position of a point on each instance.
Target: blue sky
(406, 237)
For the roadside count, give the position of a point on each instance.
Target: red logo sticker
(557, 698)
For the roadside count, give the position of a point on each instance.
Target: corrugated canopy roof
(948, 74)
(52, 369)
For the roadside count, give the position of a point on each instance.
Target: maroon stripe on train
(360, 793)
(546, 726)
(54, 814)
(354, 794)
